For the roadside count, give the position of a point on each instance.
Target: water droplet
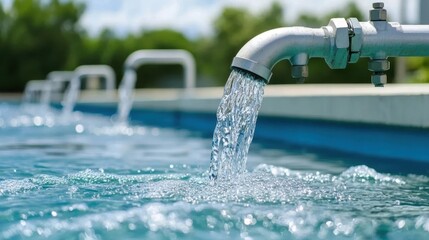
(54, 214)
(38, 121)
(249, 220)
(400, 223)
(79, 128)
(132, 226)
(211, 221)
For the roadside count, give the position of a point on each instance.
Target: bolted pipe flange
(356, 39)
(378, 13)
(340, 43)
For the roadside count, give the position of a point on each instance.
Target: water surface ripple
(87, 178)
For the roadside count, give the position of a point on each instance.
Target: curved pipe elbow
(164, 56)
(98, 70)
(160, 56)
(297, 44)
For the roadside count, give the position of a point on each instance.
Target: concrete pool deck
(405, 105)
(387, 123)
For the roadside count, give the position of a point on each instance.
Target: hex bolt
(299, 72)
(379, 79)
(378, 13)
(379, 68)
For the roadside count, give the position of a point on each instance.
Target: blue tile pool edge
(380, 141)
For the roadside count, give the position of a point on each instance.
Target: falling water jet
(236, 120)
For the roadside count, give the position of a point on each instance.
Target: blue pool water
(86, 178)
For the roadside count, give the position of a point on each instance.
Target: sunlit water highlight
(236, 119)
(87, 178)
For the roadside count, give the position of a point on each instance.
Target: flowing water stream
(236, 119)
(126, 95)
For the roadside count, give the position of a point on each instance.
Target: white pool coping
(395, 104)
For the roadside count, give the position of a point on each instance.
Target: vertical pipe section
(57, 80)
(400, 63)
(34, 89)
(424, 8)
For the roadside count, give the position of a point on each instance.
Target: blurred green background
(37, 37)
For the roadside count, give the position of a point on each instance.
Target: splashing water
(72, 94)
(236, 119)
(140, 182)
(125, 95)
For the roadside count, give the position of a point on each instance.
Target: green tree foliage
(37, 37)
(419, 68)
(112, 50)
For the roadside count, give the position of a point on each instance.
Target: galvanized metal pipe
(56, 80)
(261, 53)
(165, 56)
(32, 88)
(394, 40)
(339, 43)
(73, 90)
(152, 56)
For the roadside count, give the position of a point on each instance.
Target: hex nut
(378, 65)
(340, 36)
(299, 71)
(378, 5)
(379, 79)
(378, 15)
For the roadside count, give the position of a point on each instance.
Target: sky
(195, 17)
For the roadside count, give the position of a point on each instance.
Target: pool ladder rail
(341, 42)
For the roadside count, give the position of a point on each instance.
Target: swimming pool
(87, 178)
